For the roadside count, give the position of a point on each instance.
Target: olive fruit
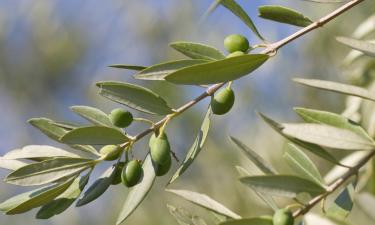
(222, 101)
(236, 42)
(121, 118)
(131, 173)
(117, 176)
(162, 169)
(236, 53)
(159, 148)
(110, 152)
(283, 217)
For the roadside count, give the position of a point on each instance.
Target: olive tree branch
(270, 50)
(335, 185)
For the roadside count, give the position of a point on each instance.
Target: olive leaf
(327, 136)
(38, 151)
(284, 15)
(365, 28)
(48, 171)
(195, 148)
(249, 221)
(183, 217)
(302, 164)
(218, 71)
(65, 200)
(24, 202)
(159, 71)
(254, 157)
(94, 135)
(337, 87)
(237, 10)
(55, 132)
(315, 149)
(134, 96)
(11, 164)
(366, 202)
(205, 202)
(98, 187)
(283, 185)
(128, 67)
(197, 50)
(332, 119)
(365, 47)
(94, 115)
(138, 192)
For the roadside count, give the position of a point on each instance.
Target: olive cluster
(223, 101)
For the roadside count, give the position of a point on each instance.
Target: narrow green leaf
(65, 200)
(249, 221)
(283, 185)
(55, 132)
(183, 217)
(315, 149)
(237, 10)
(159, 71)
(343, 204)
(366, 202)
(365, 28)
(337, 87)
(11, 164)
(302, 164)
(197, 50)
(327, 136)
(218, 71)
(95, 135)
(138, 192)
(195, 148)
(98, 187)
(128, 67)
(205, 202)
(284, 15)
(38, 151)
(134, 96)
(366, 47)
(93, 115)
(33, 199)
(254, 157)
(332, 119)
(66, 125)
(48, 171)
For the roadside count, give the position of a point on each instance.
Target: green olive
(117, 176)
(235, 54)
(121, 118)
(223, 101)
(131, 173)
(283, 217)
(236, 42)
(162, 169)
(110, 152)
(159, 148)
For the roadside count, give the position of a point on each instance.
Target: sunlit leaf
(284, 15)
(314, 219)
(138, 192)
(254, 157)
(218, 71)
(302, 164)
(237, 10)
(366, 47)
(365, 28)
(93, 115)
(38, 151)
(205, 202)
(24, 202)
(11, 164)
(195, 148)
(65, 200)
(134, 96)
(197, 50)
(48, 171)
(366, 203)
(159, 71)
(127, 67)
(337, 87)
(283, 185)
(98, 187)
(95, 135)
